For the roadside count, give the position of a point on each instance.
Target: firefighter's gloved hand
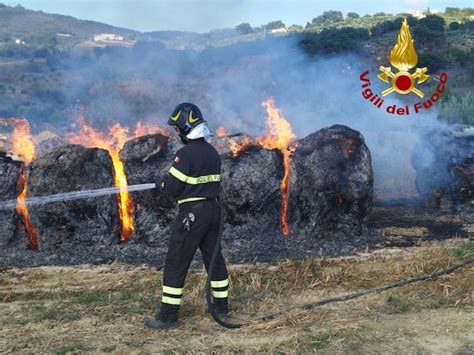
(160, 187)
(188, 221)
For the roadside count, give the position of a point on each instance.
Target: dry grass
(101, 309)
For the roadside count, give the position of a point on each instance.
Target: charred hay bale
(333, 183)
(10, 171)
(147, 159)
(444, 164)
(80, 230)
(251, 187)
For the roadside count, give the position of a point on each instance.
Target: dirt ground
(101, 309)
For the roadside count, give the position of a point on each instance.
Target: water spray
(75, 195)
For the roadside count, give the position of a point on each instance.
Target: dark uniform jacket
(195, 174)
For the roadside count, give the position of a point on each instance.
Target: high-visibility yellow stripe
(222, 283)
(192, 180)
(191, 199)
(171, 300)
(173, 290)
(220, 294)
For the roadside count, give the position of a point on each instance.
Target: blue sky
(204, 15)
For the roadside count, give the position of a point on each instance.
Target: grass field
(100, 309)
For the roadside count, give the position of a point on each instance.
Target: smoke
(229, 83)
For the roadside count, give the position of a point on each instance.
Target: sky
(204, 15)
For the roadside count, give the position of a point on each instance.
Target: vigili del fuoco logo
(403, 58)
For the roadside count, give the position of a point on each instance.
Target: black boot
(221, 306)
(166, 319)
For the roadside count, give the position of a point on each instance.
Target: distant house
(108, 37)
(417, 13)
(279, 30)
(19, 41)
(422, 13)
(63, 35)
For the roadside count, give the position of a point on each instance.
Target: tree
(353, 15)
(328, 17)
(429, 32)
(433, 22)
(454, 26)
(244, 28)
(452, 10)
(334, 40)
(295, 28)
(273, 25)
(384, 27)
(379, 14)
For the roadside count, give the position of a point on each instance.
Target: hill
(21, 22)
(51, 66)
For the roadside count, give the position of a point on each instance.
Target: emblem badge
(403, 57)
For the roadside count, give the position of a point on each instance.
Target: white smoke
(229, 83)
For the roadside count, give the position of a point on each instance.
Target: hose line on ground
(340, 298)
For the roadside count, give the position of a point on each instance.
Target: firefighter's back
(205, 166)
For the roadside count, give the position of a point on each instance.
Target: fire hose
(306, 306)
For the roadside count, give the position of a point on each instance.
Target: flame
(143, 129)
(23, 147)
(237, 148)
(403, 55)
(113, 141)
(221, 132)
(280, 136)
(22, 210)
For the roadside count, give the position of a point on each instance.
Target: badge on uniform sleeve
(177, 160)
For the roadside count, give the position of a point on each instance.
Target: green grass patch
(319, 341)
(457, 251)
(55, 312)
(92, 297)
(397, 305)
(136, 344)
(109, 349)
(462, 251)
(72, 349)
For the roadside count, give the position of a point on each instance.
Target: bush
(274, 25)
(244, 28)
(334, 40)
(433, 22)
(428, 37)
(390, 26)
(327, 17)
(458, 109)
(353, 15)
(454, 26)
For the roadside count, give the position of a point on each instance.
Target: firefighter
(194, 181)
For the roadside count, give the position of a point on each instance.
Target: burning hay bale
(10, 171)
(444, 163)
(333, 186)
(78, 230)
(146, 159)
(281, 199)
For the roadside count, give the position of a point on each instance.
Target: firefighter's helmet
(185, 117)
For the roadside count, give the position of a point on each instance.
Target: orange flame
(237, 148)
(113, 141)
(280, 137)
(23, 147)
(143, 129)
(221, 132)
